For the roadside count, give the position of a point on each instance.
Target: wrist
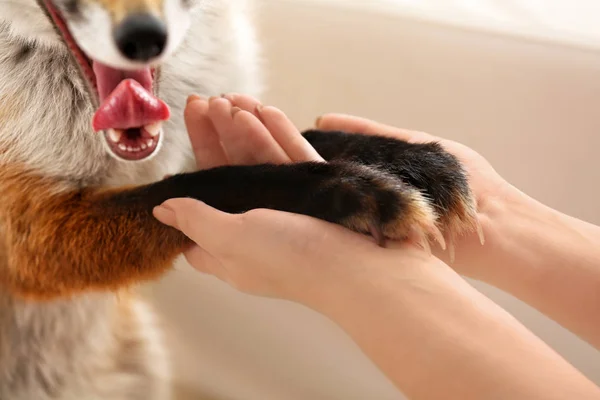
(528, 236)
(515, 226)
(370, 277)
(550, 261)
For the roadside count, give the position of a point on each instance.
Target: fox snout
(139, 29)
(141, 37)
(128, 33)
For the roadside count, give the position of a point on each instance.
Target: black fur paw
(437, 178)
(441, 177)
(373, 201)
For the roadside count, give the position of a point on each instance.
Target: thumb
(350, 123)
(203, 224)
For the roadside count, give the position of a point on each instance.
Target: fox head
(115, 74)
(119, 46)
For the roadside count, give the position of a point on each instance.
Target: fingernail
(318, 121)
(194, 97)
(229, 97)
(165, 215)
(235, 110)
(211, 98)
(258, 110)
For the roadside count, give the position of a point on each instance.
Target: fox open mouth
(129, 115)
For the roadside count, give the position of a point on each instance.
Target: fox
(92, 138)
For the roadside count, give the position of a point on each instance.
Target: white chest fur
(45, 124)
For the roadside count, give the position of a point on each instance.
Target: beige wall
(532, 109)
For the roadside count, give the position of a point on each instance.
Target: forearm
(549, 260)
(436, 337)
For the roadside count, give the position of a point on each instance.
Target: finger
(208, 227)
(203, 261)
(219, 112)
(245, 102)
(166, 216)
(203, 136)
(246, 146)
(348, 123)
(287, 135)
(255, 144)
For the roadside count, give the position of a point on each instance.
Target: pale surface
(530, 107)
(566, 21)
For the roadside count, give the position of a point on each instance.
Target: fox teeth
(115, 135)
(154, 129)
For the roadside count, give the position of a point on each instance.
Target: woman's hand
(237, 130)
(494, 195)
(275, 254)
(545, 258)
(409, 312)
(261, 252)
(487, 185)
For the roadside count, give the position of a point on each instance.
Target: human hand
(288, 256)
(492, 193)
(236, 129)
(324, 266)
(275, 254)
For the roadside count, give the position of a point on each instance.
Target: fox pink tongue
(130, 104)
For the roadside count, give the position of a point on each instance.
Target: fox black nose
(141, 37)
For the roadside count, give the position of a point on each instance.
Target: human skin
(412, 314)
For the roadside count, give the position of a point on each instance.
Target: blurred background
(517, 80)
